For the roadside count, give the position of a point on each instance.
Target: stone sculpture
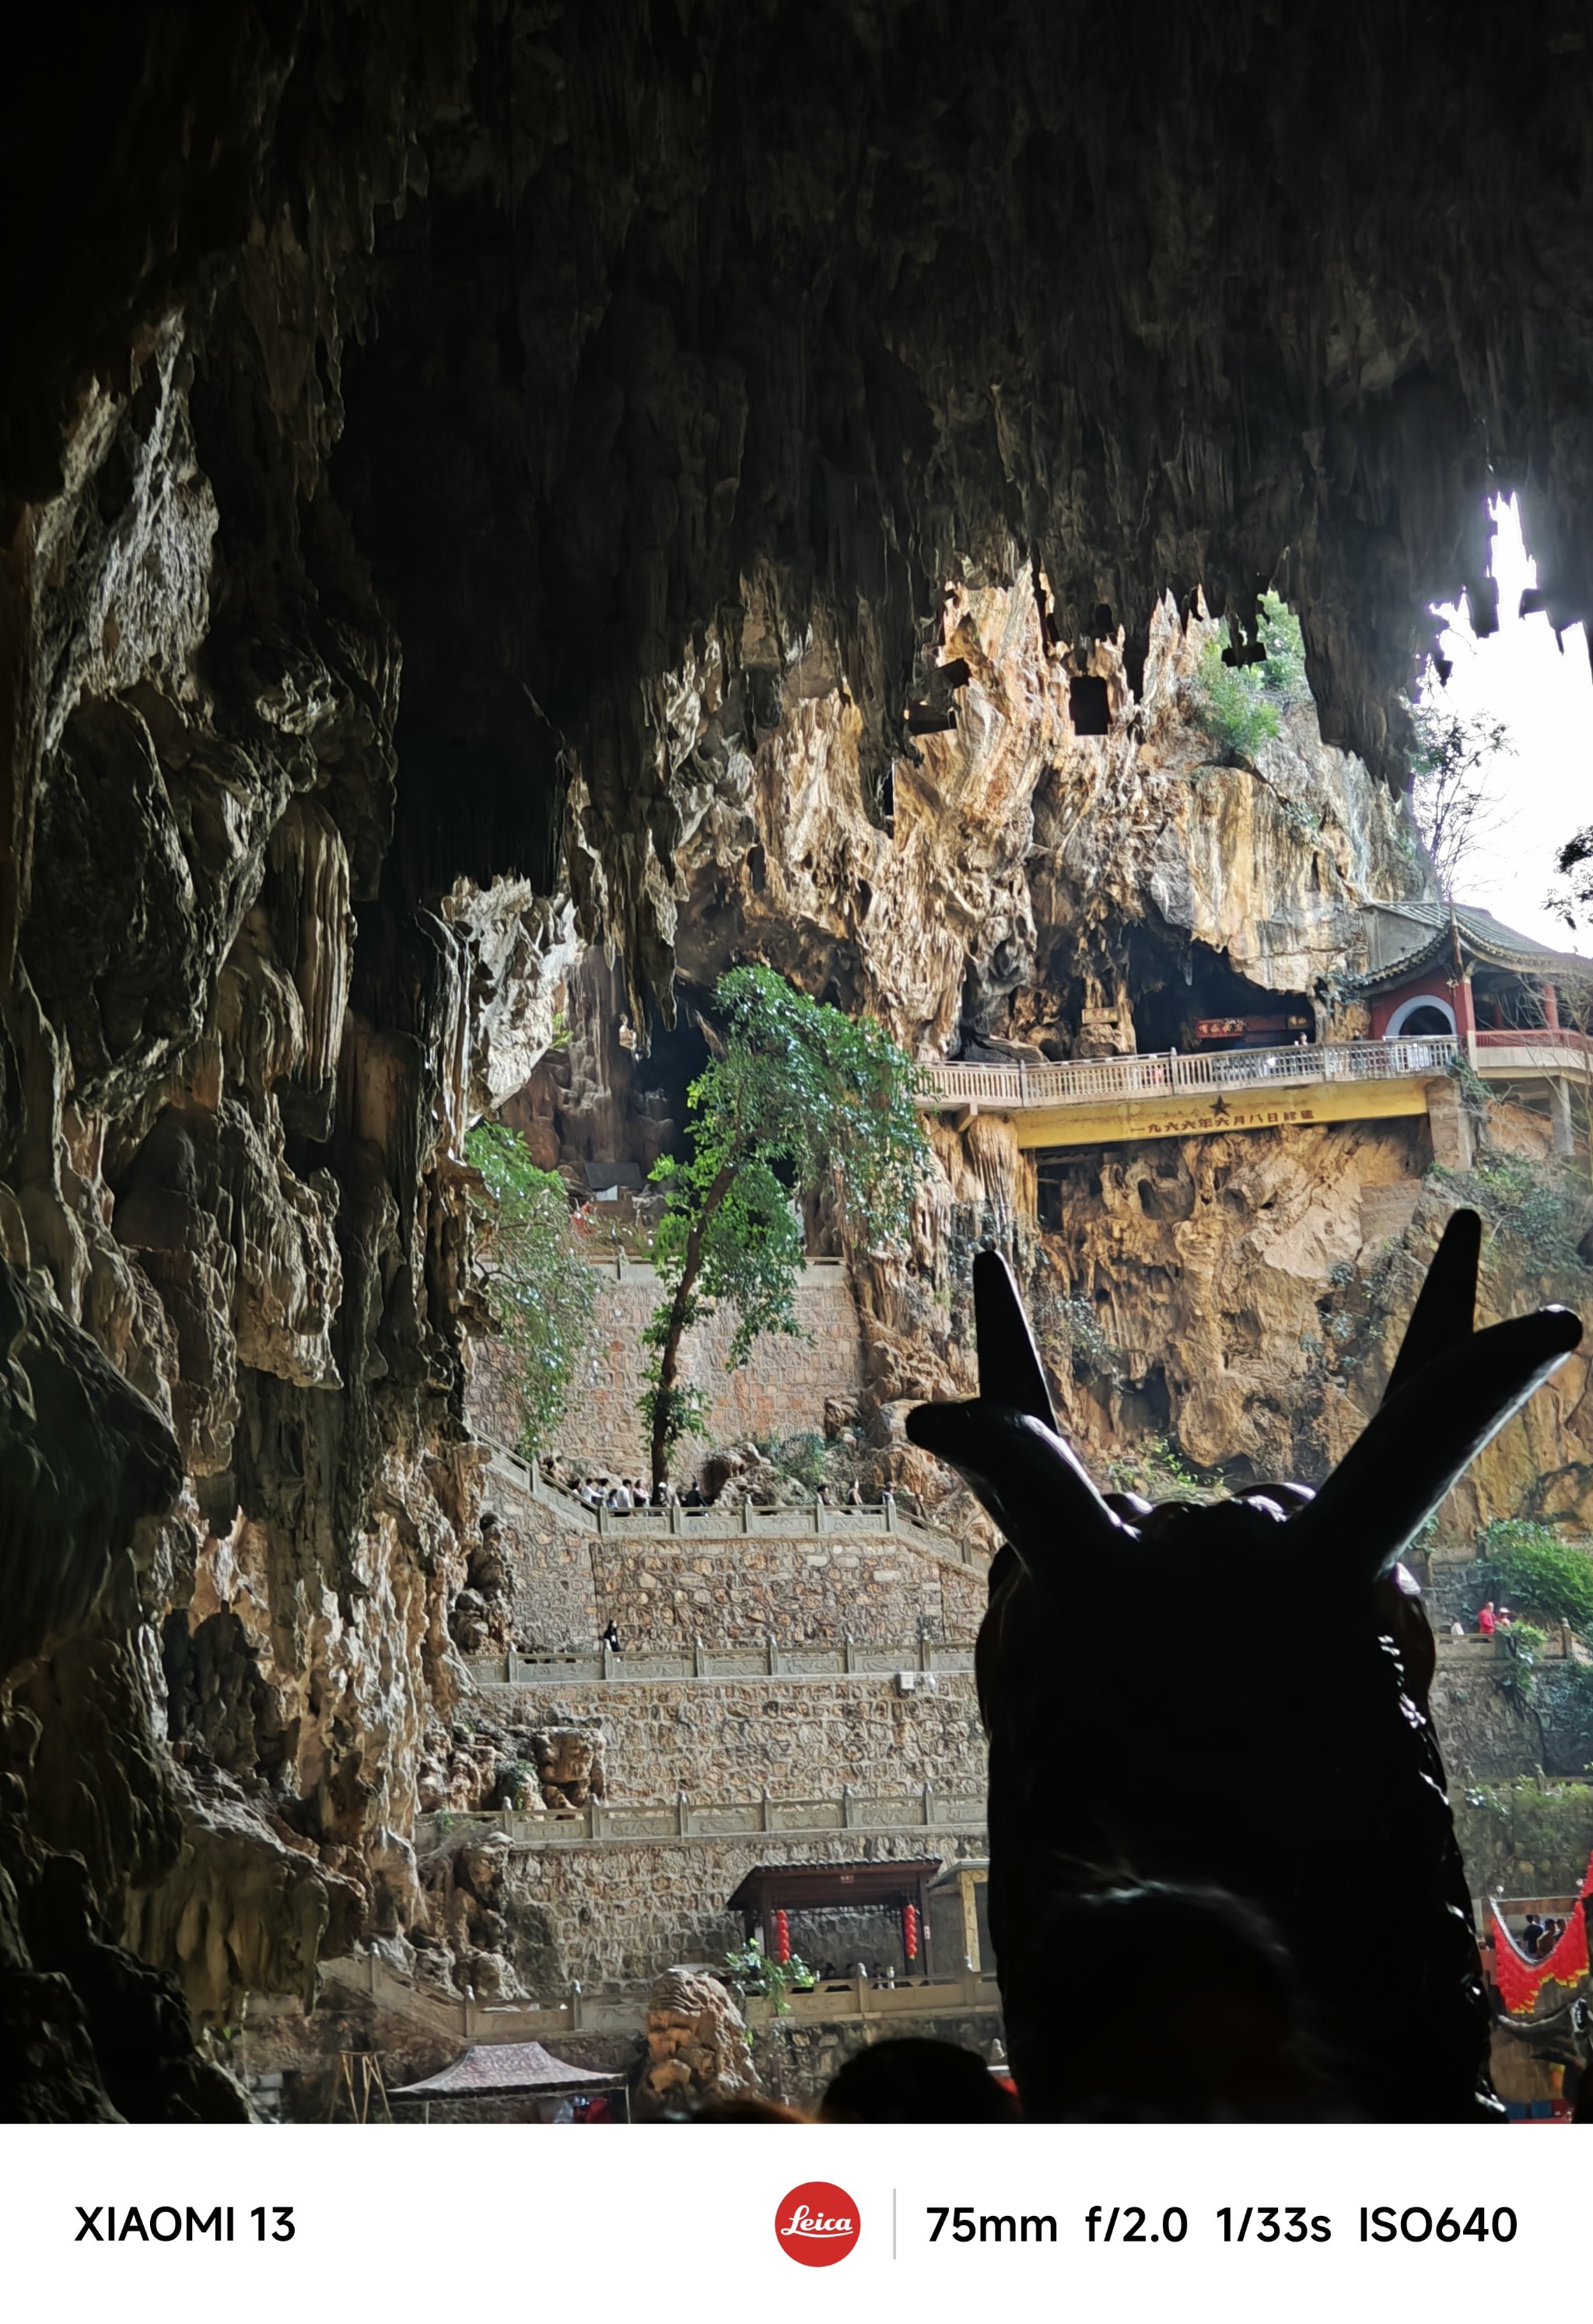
(1250, 1707)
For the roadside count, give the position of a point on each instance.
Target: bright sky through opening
(1545, 698)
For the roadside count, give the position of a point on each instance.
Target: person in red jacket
(1485, 1622)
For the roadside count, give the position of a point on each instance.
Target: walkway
(922, 1657)
(790, 1522)
(600, 1825)
(1093, 1101)
(838, 2001)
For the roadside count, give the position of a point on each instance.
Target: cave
(1210, 1007)
(509, 511)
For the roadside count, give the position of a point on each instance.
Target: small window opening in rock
(757, 867)
(1089, 707)
(887, 799)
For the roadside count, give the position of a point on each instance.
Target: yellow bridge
(1104, 1100)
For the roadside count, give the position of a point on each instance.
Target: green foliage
(1541, 1210)
(1242, 708)
(1089, 1346)
(540, 1289)
(1156, 1469)
(752, 1967)
(803, 1099)
(1534, 1569)
(803, 1458)
(1526, 1835)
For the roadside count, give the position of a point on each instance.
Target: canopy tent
(497, 2069)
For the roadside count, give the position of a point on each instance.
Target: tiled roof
(502, 2066)
(1406, 938)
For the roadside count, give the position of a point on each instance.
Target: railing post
(846, 1807)
(513, 1665)
(594, 1819)
(818, 1515)
(608, 1659)
(696, 1658)
(763, 1822)
(602, 1514)
(928, 1807)
(773, 1655)
(674, 1516)
(746, 1513)
(849, 1656)
(890, 1512)
(682, 1815)
(574, 2004)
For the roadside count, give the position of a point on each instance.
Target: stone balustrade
(848, 1659)
(1086, 1081)
(925, 1810)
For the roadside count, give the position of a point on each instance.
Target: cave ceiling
(578, 317)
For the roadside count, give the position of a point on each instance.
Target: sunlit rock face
(482, 476)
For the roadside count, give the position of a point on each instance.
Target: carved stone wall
(780, 1391)
(734, 1591)
(613, 1912)
(800, 1737)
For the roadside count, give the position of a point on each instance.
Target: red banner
(1520, 1979)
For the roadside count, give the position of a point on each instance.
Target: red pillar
(1550, 1007)
(1464, 1006)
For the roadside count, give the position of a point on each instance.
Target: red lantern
(782, 1938)
(910, 1931)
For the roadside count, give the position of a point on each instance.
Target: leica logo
(816, 2224)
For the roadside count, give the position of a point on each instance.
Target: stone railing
(1085, 1081)
(623, 2009)
(847, 1811)
(685, 1526)
(922, 1657)
(1531, 1049)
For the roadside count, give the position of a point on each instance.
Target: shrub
(540, 1289)
(1242, 708)
(1534, 1569)
(1540, 1209)
(1157, 1470)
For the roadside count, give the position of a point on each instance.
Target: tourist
(660, 1494)
(1487, 1621)
(611, 1638)
(854, 1499)
(1505, 1622)
(1457, 1628)
(620, 1503)
(823, 1497)
(916, 2081)
(888, 1499)
(1532, 1935)
(691, 1499)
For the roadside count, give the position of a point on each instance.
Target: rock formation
(696, 2043)
(478, 476)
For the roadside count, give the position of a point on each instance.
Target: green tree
(1543, 1573)
(1241, 707)
(801, 1101)
(541, 1287)
(1457, 787)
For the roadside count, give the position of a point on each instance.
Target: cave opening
(1212, 1006)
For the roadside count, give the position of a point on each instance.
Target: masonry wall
(613, 1914)
(780, 1391)
(723, 1739)
(877, 1590)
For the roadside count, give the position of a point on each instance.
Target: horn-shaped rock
(1222, 1695)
